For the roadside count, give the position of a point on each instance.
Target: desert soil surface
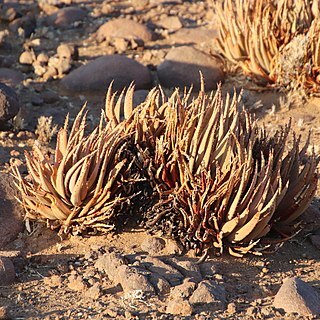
(71, 278)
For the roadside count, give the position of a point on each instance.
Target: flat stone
(7, 272)
(166, 271)
(139, 4)
(199, 36)
(165, 2)
(297, 296)
(11, 214)
(182, 65)
(173, 247)
(188, 268)
(171, 23)
(53, 282)
(65, 17)
(97, 75)
(210, 293)
(10, 77)
(124, 28)
(110, 263)
(131, 280)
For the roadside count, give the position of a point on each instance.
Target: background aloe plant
(265, 38)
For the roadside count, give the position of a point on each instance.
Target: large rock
(98, 74)
(11, 221)
(7, 273)
(124, 28)
(28, 23)
(297, 296)
(10, 77)
(9, 104)
(209, 293)
(179, 307)
(130, 279)
(171, 23)
(182, 65)
(66, 16)
(200, 36)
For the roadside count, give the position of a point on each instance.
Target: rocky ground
(57, 54)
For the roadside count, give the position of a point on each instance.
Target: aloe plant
(219, 181)
(256, 36)
(80, 187)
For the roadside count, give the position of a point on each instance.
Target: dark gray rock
(27, 23)
(11, 214)
(65, 17)
(139, 96)
(124, 28)
(6, 61)
(10, 77)
(166, 271)
(182, 65)
(7, 272)
(188, 268)
(211, 293)
(97, 75)
(297, 296)
(9, 104)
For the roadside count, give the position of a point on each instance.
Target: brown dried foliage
(228, 182)
(256, 34)
(220, 181)
(81, 186)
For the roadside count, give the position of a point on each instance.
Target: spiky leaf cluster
(81, 186)
(219, 180)
(273, 40)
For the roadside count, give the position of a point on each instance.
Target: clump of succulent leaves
(219, 181)
(82, 185)
(262, 36)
